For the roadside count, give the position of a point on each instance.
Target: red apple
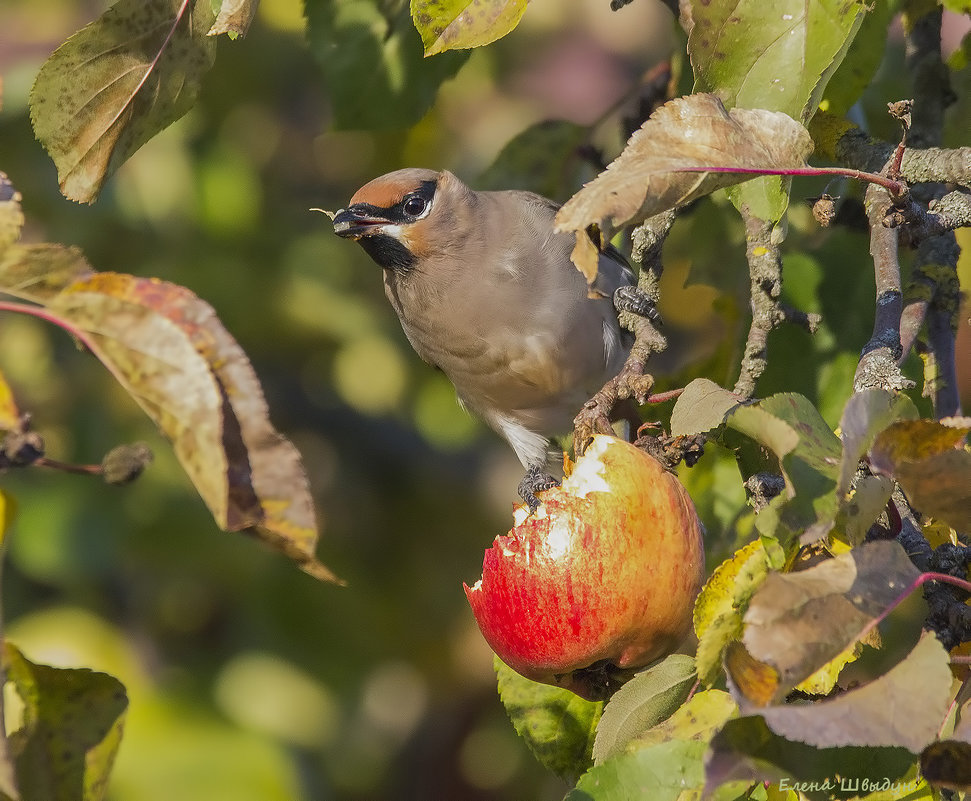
(603, 576)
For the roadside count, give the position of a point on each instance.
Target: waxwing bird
(485, 291)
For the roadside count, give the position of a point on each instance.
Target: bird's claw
(637, 301)
(536, 480)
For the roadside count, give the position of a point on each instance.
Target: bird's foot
(637, 301)
(536, 480)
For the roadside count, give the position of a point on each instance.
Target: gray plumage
(485, 291)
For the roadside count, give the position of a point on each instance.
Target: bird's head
(404, 216)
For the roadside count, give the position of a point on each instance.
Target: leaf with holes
(116, 83)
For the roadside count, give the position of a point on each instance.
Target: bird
(485, 291)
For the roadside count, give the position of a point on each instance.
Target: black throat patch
(388, 252)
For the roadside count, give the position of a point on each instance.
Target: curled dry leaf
(171, 352)
(234, 17)
(173, 355)
(650, 175)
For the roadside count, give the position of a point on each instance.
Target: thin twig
(878, 362)
(768, 311)
(944, 214)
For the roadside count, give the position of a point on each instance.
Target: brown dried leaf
(170, 351)
(797, 622)
(234, 17)
(932, 466)
(686, 133)
(902, 708)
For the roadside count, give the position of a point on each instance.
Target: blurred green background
(248, 680)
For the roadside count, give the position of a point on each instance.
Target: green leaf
(116, 83)
(858, 513)
(701, 407)
(698, 719)
(920, 687)
(371, 57)
(721, 604)
(862, 60)
(659, 773)
(797, 622)
(643, 702)
(809, 455)
(557, 725)
(779, 58)
(73, 722)
(544, 159)
(458, 24)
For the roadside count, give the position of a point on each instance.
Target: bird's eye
(415, 206)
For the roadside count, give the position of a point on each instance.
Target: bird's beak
(354, 223)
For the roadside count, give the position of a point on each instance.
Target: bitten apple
(603, 576)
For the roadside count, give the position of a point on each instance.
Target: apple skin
(600, 580)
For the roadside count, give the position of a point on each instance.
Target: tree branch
(944, 214)
(937, 249)
(878, 362)
(843, 142)
(632, 382)
(768, 311)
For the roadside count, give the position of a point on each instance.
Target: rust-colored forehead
(387, 190)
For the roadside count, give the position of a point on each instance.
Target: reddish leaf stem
(922, 579)
(894, 187)
(44, 314)
(67, 467)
